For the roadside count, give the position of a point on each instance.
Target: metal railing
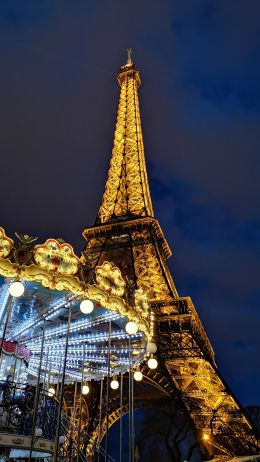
(17, 403)
(17, 408)
(76, 442)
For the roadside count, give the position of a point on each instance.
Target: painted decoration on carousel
(56, 257)
(16, 349)
(54, 265)
(109, 278)
(6, 243)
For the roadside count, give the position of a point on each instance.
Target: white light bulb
(16, 289)
(131, 328)
(38, 432)
(62, 439)
(114, 384)
(138, 376)
(51, 391)
(86, 306)
(151, 347)
(85, 389)
(152, 363)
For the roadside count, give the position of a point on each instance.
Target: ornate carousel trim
(55, 266)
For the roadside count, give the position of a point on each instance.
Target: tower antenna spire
(129, 57)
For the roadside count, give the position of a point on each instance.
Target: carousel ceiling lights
(85, 389)
(131, 328)
(151, 347)
(138, 376)
(38, 432)
(16, 289)
(86, 306)
(51, 391)
(114, 384)
(152, 363)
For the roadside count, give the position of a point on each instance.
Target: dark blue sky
(200, 104)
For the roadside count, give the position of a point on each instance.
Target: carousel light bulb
(151, 347)
(16, 289)
(86, 306)
(38, 432)
(152, 363)
(138, 376)
(114, 384)
(85, 389)
(51, 391)
(61, 439)
(131, 328)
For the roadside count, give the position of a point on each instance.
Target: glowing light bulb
(152, 363)
(86, 306)
(51, 391)
(131, 328)
(138, 376)
(205, 436)
(114, 384)
(85, 389)
(151, 347)
(16, 289)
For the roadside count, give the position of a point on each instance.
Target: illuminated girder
(138, 247)
(127, 191)
(211, 405)
(127, 234)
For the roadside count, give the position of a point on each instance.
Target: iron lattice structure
(127, 234)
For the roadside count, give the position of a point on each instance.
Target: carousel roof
(56, 281)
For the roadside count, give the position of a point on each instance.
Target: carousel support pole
(100, 413)
(74, 402)
(49, 374)
(58, 378)
(20, 368)
(121, 420)
(56, 450)
(80, 403)
(36, 400)
(45, 384)
(15, 363)
(8, 313)
(132, 409)
(130, 414)
(15, 384)
(73, 414)
(108, 391)
(129, 397)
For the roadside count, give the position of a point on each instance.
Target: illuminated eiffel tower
(127, 234)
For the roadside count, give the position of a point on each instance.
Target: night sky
(200, 108)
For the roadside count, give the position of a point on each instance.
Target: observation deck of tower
(127, 233)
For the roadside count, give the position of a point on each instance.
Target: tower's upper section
(127, 192)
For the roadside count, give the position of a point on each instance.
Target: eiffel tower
(127, 234)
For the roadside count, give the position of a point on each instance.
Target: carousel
(65, 331)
